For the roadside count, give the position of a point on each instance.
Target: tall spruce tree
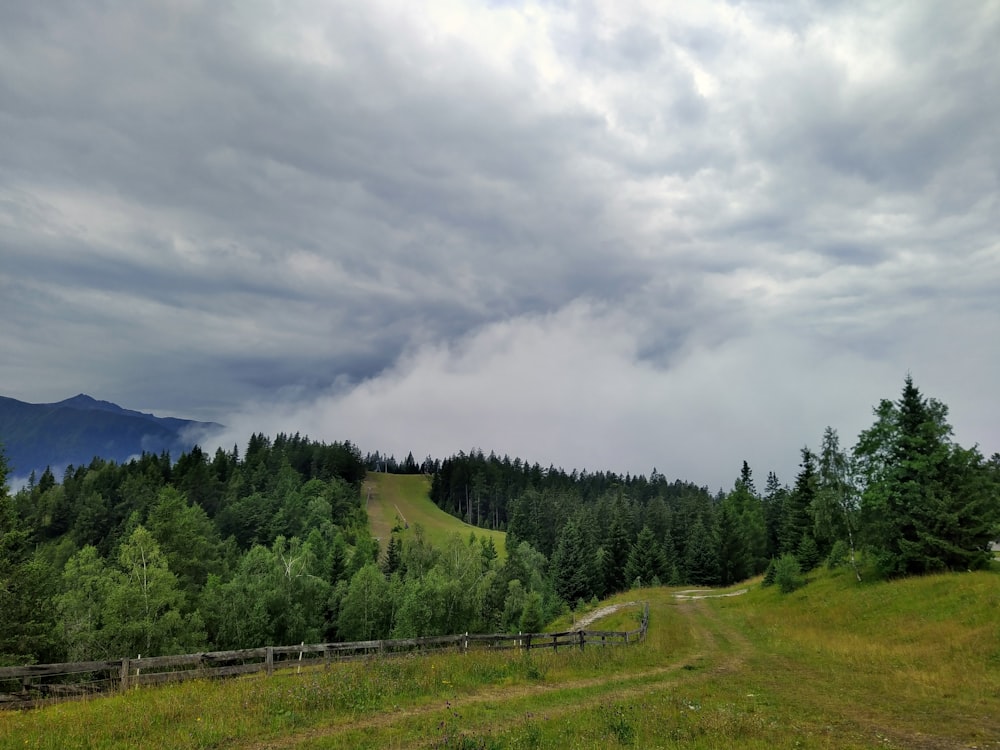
(573, 564)
(929, 504)
(645, 564)
(797, 521)
(701, 560)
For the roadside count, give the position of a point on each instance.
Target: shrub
(838, 555)
(788, 573)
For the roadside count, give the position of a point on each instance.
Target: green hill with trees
(275, 547)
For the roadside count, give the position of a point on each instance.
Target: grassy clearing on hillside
(404, 499)
(909, 664)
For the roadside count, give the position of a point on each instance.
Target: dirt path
(714, 649)
(700, 594)
(597, 614)
(720, 653)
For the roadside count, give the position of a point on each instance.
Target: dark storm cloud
(339, 207)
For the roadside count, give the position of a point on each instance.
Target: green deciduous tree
(835, 507)
(365, 610)
(87, 581)
(145, 603)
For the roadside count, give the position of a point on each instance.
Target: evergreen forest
(271, 546)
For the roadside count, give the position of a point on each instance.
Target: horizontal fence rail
(35, 684)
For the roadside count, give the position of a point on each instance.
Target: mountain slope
(76, 430)
(403, 500)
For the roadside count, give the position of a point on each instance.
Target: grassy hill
(403, 500)
(908, 664)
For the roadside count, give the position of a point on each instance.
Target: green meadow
(907, 664)
(402, 502)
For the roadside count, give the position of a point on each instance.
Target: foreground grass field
(910, 664)
(404, 500)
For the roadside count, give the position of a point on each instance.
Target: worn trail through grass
(900, 665)
(719, 649)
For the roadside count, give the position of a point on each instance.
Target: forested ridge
(156, 556)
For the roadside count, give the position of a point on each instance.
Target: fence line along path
(35, 684)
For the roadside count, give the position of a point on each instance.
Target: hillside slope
(906, 664)
(404, 500)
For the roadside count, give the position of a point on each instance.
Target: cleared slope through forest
(403, 501)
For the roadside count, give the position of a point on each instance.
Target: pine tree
(734, 558)
(701, 561)
(645, 563)
(774, 500)
(393, 557)
(572, 564)
(532, 617)
(797, 520)
(928, 504)
(616, 546)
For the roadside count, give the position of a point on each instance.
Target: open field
(403, 500)
(909, 664)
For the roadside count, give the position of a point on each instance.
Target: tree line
(272, 547)
(906, 499)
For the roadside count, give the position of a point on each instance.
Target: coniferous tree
(733, 556)
(928, 503)
(797, 520)
(774, 500)
(393, 557)
(645, 564)
(701, 561)
(671, 561)
(532, 616)
(26, 617)
(572, 564)
(617, 547)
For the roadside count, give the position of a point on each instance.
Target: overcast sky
(602, 235)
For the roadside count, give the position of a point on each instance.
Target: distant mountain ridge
(77, 429)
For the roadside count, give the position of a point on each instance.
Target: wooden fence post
(583, 640)
(126, 666)
(269, 660)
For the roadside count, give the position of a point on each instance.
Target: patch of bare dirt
(597, 614)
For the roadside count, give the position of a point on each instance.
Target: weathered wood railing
(39, 683)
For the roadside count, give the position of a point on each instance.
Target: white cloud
(570, 389)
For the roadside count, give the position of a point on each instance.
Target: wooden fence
(41, 683)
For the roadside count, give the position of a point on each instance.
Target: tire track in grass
(678, 672)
